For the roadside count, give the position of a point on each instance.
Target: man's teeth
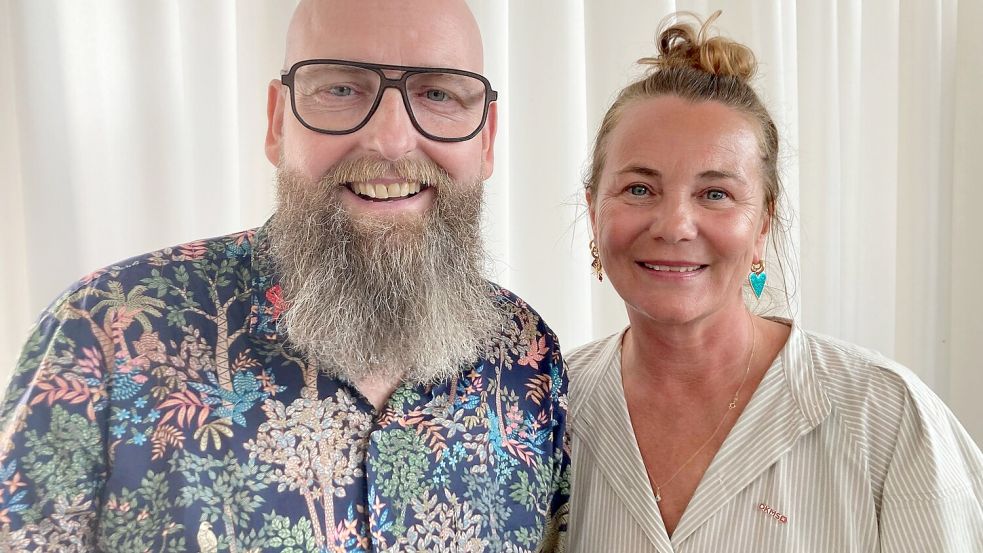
(386, 191)
(672, 269)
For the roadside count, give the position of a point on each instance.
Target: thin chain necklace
(730, 407)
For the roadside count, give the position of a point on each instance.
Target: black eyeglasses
(339, 97)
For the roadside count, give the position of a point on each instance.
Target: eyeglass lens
(337, 98)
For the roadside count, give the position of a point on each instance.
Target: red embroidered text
(772, 513)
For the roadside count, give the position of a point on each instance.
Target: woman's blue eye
(638, 190)
(716, 195)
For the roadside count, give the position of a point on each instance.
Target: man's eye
(716, 195)
(436, 95)
(638, 190)
(341, 90)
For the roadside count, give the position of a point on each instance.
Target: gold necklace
(730, 407)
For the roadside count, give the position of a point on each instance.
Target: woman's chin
(668, 313)
(677, 311)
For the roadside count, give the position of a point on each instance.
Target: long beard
(382, 296)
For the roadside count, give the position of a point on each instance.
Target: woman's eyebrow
(640, 170)
(720, 174)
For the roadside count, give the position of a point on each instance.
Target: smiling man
(341, 379)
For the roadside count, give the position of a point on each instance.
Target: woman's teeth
(673, 269)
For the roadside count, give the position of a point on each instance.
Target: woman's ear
(590, 210)
(762, 238)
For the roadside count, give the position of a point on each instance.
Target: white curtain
(129, 126)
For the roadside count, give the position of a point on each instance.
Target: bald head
(392, 32)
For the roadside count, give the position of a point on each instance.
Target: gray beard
(382, 297)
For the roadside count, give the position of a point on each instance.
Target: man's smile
(385, 190)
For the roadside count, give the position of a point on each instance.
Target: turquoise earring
(757, 278)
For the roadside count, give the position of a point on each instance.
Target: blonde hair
(696, 66)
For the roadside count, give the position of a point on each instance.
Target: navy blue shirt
(155, 407)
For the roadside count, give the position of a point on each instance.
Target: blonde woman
(703, 427)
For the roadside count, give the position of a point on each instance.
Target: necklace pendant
(658, 494)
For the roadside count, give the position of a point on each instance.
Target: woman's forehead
(670, 130)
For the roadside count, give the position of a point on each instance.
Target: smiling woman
(697, 176)
(699, 410)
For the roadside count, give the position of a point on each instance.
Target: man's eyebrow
(324, 68)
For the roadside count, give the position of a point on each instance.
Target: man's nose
(390, 133)
(673, 220)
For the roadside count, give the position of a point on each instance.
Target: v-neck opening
(774, 417)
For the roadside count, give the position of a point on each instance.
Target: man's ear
(275, 105)
(488, 142)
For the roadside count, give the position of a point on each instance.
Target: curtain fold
(966, 298)
(132, 126)
(15, 308)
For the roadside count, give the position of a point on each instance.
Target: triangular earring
(757, 277)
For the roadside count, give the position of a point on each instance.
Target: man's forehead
(396, 32)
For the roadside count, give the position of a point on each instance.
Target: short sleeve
(53, 458)
(933, 491)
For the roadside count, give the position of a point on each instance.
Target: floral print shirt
(156, 408)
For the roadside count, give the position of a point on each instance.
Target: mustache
(363, 169)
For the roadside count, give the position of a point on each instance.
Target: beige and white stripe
(839, 450)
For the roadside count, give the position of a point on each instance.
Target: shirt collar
(267, 298)
(801, 376)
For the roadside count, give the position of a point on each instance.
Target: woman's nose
(673, 221)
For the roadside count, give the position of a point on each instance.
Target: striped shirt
(839, 450)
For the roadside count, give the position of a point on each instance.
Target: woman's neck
(702, 355)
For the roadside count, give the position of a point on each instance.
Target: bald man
(342, 378)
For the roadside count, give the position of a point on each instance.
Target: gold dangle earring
(595, 265)
(757, 277)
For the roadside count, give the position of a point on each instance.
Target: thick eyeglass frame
(385, 83)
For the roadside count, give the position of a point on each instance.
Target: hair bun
(684, 45)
